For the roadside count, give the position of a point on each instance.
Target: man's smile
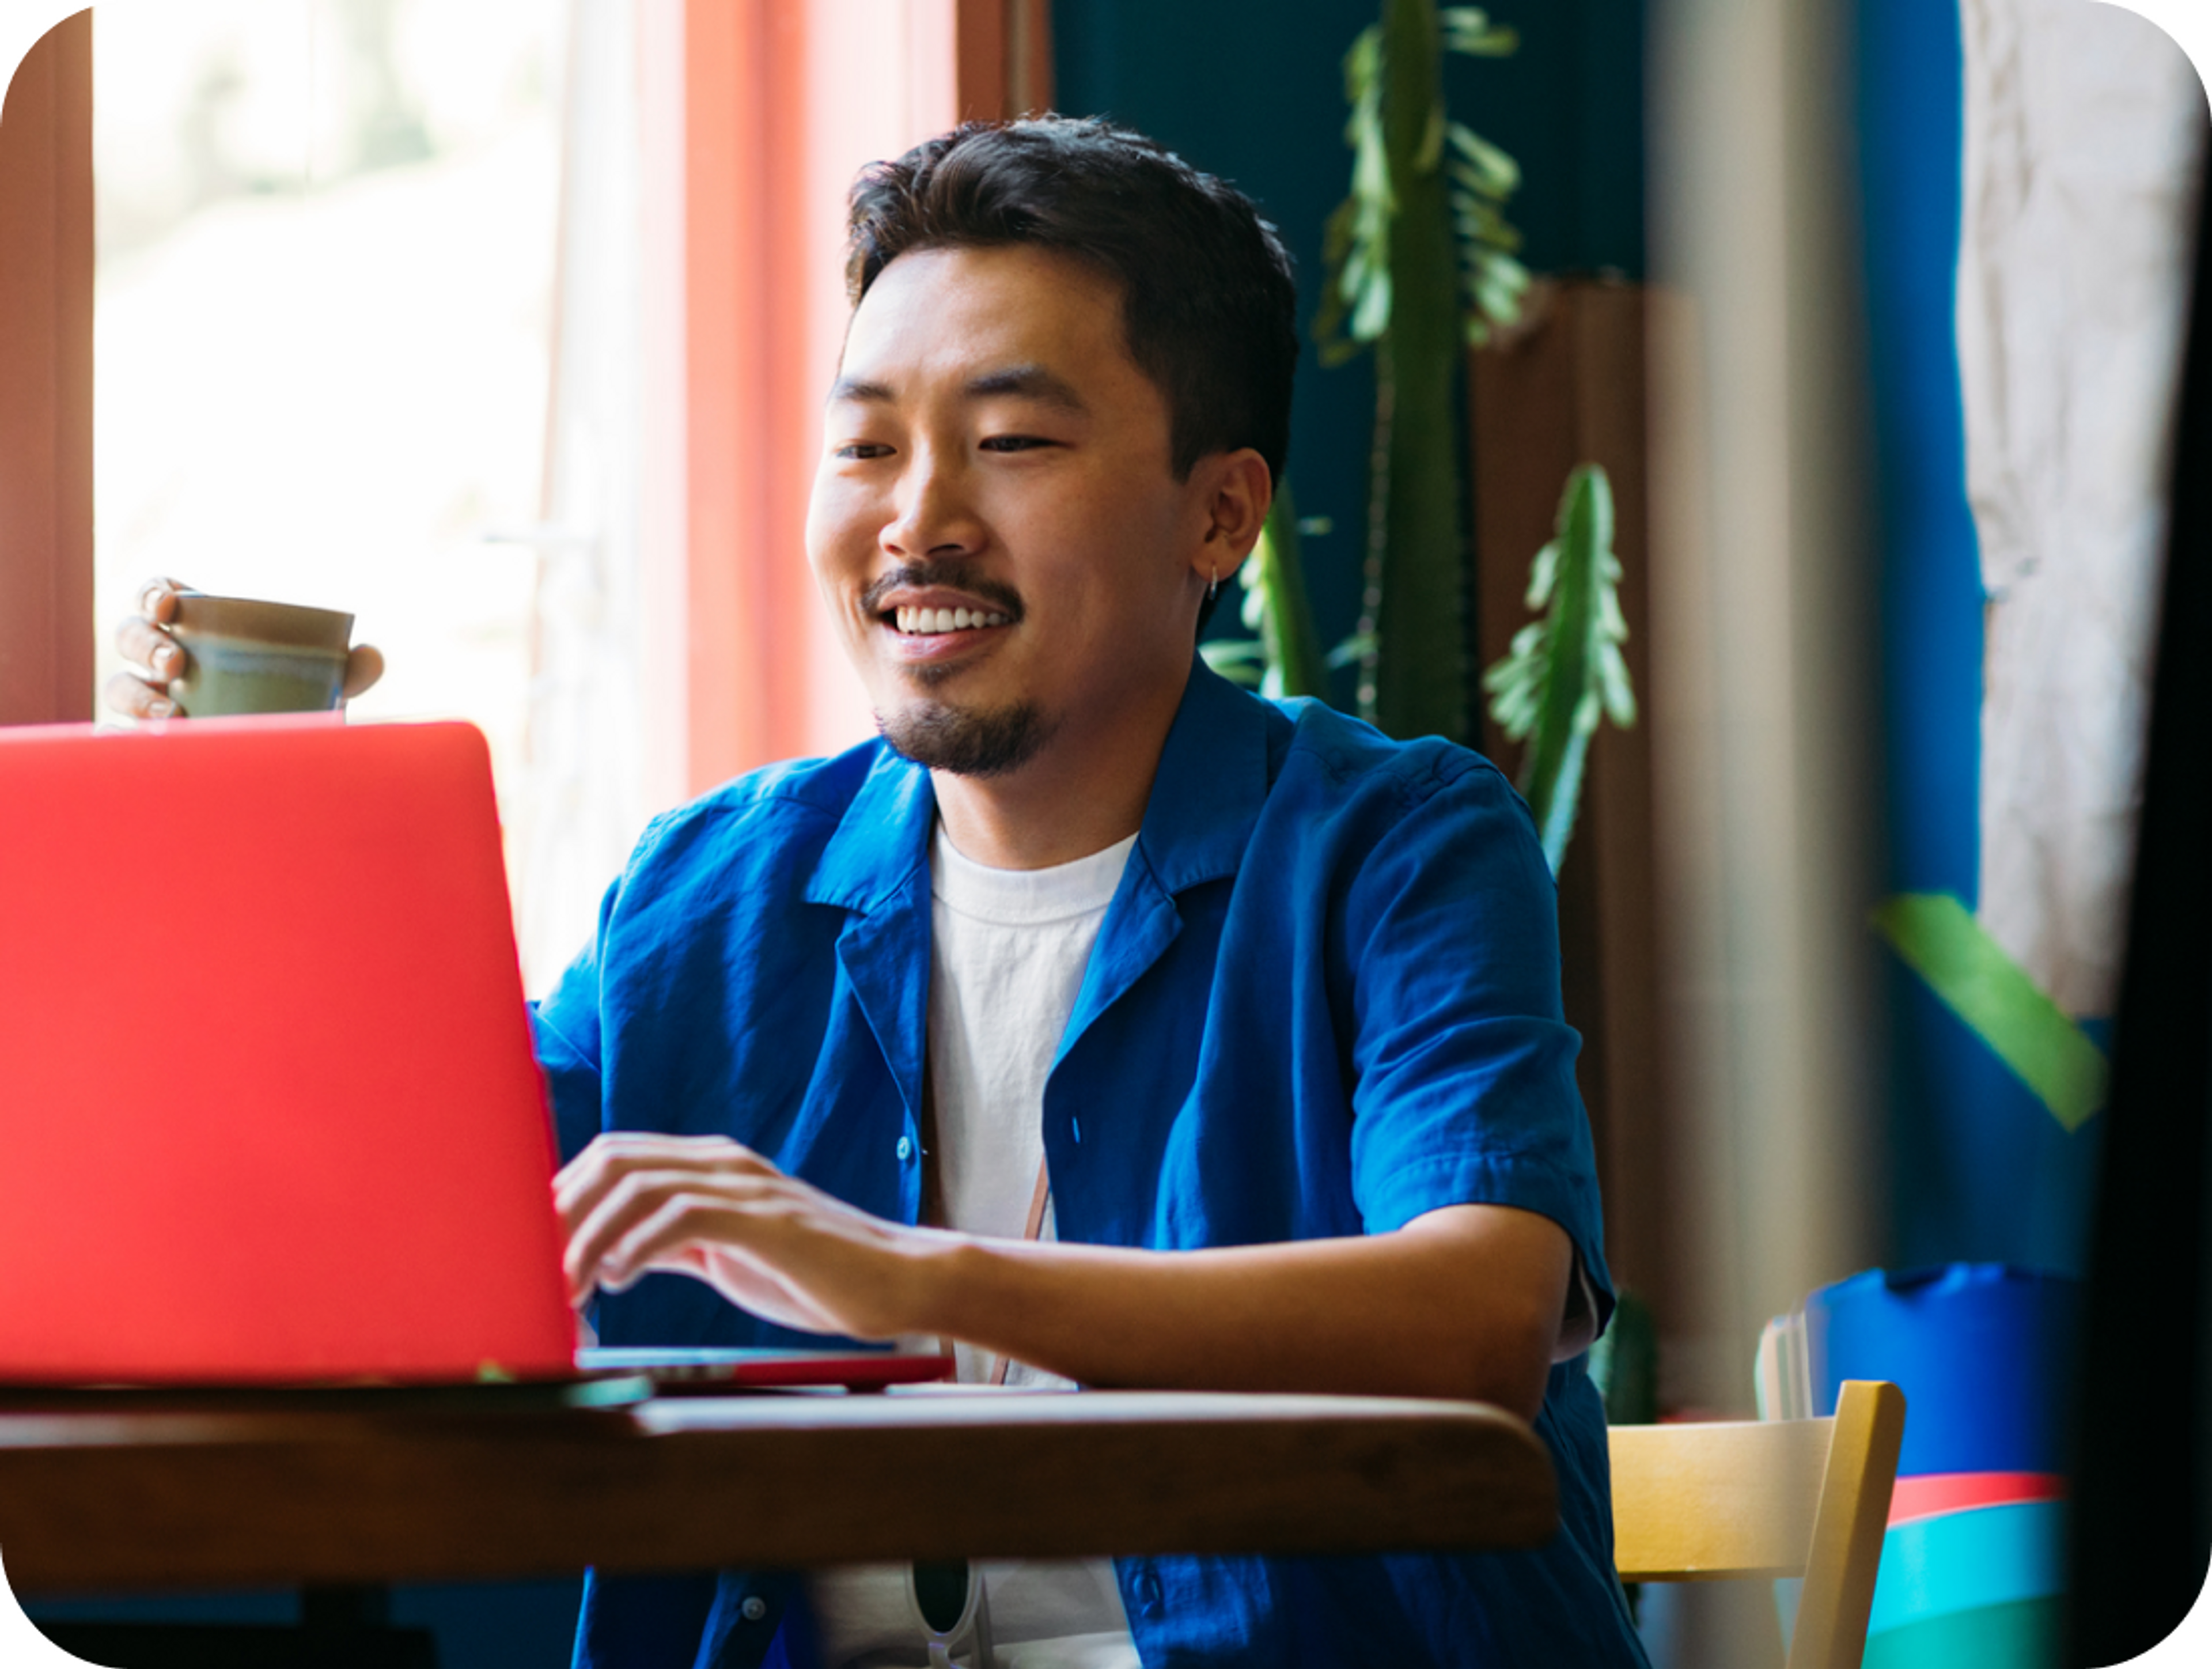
(934, 610)
(934, 631)
(936, 621)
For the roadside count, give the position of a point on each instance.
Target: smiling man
(1116, 1026)
(1101, 1018)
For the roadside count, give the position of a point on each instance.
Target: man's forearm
(1464, 1302)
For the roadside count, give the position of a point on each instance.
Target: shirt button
(754, 1608)
(905, 1149)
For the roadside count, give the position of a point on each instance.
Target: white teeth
(928, 622)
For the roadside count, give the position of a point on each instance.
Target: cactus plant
(1420, 262)
(1565, 670)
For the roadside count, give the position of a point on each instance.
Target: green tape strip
(1941, 940)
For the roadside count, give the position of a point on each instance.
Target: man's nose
(934, 513)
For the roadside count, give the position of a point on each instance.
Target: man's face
(995, 525)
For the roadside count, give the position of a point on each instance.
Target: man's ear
(1238, 489)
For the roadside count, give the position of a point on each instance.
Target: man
(1222, 1038)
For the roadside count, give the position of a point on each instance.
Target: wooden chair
(1808, 1498)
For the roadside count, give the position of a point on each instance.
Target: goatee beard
(941, 737)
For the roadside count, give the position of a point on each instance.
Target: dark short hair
(1209, 307)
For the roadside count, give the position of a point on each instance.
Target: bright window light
(327, 247)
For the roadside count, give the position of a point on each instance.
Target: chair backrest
(1771, 1498)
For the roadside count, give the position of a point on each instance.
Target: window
(326, 254)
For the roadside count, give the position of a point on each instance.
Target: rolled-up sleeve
(1465, 1090)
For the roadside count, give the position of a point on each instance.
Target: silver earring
(1213, 583)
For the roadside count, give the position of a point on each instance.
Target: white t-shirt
(1008, 948)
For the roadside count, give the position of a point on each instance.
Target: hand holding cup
(230, 675)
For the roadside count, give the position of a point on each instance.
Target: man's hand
(706, 1207)
(1464, 1301)
(143, 691)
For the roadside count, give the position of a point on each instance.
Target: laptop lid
(269, 1113)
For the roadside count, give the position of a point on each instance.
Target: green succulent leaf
(1431, 149)
(1468, 29)
(1498, 296)
(1483, 166)
(1371, 317)
(1363, 62)
(1564, 672)
(1223, 656)
(1351, 651)
(1482, 228)
(1232, 651)
(1285, 653)
(1356, 298)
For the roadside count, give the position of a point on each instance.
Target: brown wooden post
(1029, 89)
(1004, 53)
(1568, 388)
(979, 31)
(45, 382)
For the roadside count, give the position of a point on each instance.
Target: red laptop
(268, 1113)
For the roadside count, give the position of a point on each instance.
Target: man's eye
(863, 449)
(1016, 443)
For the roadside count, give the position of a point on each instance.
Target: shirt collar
(1206, 798)
(1212, 779)
(881, 841)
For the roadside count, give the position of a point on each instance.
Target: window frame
(46, 254)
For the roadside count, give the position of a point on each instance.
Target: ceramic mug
(246, 656)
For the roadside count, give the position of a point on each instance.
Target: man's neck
(1085, 789)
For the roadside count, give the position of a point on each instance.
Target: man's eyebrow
(1018, 381)
(1029, 383)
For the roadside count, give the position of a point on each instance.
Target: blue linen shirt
(1324, 1000)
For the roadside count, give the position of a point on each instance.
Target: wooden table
(243, 1493)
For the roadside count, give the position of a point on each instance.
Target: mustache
(952, 575)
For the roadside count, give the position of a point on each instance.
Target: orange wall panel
(785, 101)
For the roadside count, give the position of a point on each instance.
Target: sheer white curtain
(2084, 133)
(599, 719)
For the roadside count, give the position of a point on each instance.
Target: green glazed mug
(246, 656)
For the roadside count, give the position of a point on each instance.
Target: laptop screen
(267, 1097)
